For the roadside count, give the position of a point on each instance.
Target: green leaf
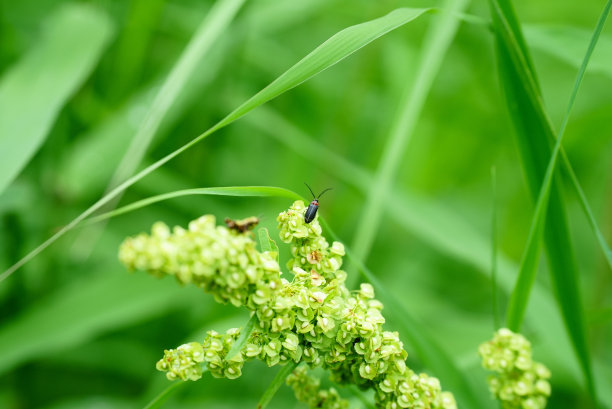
(276, 383)
(33, 92)
(242, 191)
(332, 51)
(535, 136)
(529, 263)
(243, 338)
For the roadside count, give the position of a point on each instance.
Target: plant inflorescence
(520, 382)
(312, 319)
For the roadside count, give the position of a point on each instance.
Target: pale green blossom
(312, 319)
(520, 382)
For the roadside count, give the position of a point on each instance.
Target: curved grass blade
(427, 349)
(33, 92)
(278, 380)
(241, 191)
(434, 48)
(332, 51)
(529, 263)
(164, 395)
(535, 136)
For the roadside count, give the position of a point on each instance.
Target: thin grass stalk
(434, 48)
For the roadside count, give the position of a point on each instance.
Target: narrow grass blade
(434, 48)
(164, 395)
(494, 283)
(427, 349)
(243, 338)
(529, 263)
(277, 382)
(535, 135)
(241, 191)
(332, 51)
(33, 92)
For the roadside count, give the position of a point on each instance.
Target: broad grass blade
(33, 92)
(535, 136)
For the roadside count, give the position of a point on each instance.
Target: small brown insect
(243, 225)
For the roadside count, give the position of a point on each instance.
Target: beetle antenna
(321, 194)
(311, 192)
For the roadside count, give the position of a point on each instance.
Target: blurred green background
(80, 80)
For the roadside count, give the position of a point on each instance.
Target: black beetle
(311, 212)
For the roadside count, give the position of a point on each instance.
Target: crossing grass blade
(535, 136)
(33, 92)
(529, 263)
(332, 51)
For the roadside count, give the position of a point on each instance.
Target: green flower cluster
(184, 362)
(313, 318)
(220, 261)
(307, 389)
(520, 383)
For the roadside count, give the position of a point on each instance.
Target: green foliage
(31, 99)
(87, 87)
